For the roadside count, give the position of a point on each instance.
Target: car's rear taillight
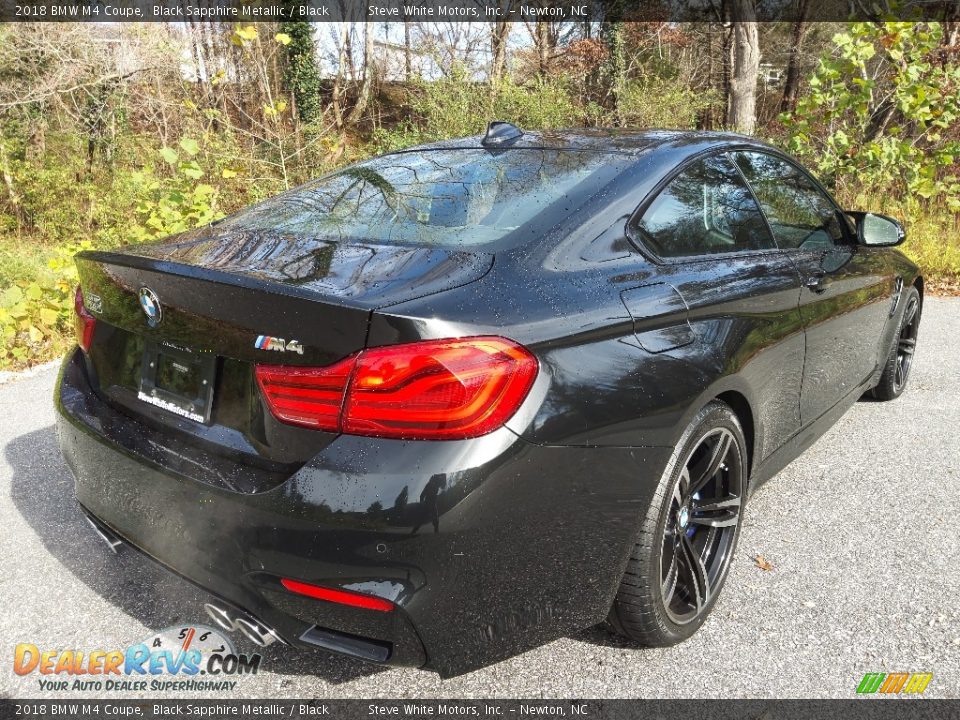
(439, 389)
(84, 323)
(312, 397)
(431, 390)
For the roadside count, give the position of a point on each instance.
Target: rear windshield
(446, 198)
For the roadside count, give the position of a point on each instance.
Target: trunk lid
(222, 291)
(235, 299)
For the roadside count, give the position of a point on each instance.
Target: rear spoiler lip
(274, 287)
(220, 277)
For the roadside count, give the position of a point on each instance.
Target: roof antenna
(500, 133)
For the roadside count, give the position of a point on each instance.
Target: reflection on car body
(536, 378)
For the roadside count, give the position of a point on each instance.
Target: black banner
(473, 10)
(859, 709)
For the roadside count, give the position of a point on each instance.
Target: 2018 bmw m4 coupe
(447, 404)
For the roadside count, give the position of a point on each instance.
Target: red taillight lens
(84, 323)
(438, 390)
(312, 397)
(432, 390)
(341, 597)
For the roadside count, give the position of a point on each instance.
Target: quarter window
(706, 209)
(800, 214)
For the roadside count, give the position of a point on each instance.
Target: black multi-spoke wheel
(688, 537)
(701, 526)
(896, 372)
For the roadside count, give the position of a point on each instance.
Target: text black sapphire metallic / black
(534, 381)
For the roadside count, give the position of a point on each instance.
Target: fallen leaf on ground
(761, 562)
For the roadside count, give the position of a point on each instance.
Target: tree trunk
(726, 53)
(13, 197)
(541, 42)
(709, 119)
(616, 69)
(363, 98)
(791, 88)
(198, 59)
(407, 64)
(746, 67)
(351, 66)
(499, 32)
(951, 37)
(338, 83)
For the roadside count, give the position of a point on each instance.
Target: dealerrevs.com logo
(198, 657)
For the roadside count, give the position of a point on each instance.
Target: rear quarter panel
(606, 378)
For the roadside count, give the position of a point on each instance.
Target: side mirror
(878, 230)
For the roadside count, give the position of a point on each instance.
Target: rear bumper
(488, 547)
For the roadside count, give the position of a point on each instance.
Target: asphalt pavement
(861, 532)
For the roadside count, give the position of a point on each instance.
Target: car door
(714, 249)
(844, 299)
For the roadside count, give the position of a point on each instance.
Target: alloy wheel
(701, 526)
(907, 342)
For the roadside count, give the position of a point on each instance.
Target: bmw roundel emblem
(150, 304)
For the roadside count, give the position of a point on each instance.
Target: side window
(706, 209)
(800, 214)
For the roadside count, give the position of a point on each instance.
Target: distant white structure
(771, 74)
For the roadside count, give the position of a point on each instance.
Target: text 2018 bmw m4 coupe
(442, 406)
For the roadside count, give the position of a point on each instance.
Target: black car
(447, 404)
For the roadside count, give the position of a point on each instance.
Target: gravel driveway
(861, 531)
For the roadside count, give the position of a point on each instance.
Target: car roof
(617, 140)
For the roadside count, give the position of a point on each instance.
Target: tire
(896, 369)
(648, 607)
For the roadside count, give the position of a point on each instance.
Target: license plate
(178, 380)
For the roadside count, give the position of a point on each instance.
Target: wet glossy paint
(488, 546)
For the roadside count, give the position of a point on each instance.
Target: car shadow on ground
(42, 492)
(602, 636)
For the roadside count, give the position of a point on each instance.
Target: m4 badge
(267, 342)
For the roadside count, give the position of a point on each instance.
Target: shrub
(36, 310)
(178, 201)
(455, 106)
(660, 103)
(880, 111)
(36, 316)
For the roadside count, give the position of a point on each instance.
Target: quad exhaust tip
(225, 618)
(112, 541)
(231, 620)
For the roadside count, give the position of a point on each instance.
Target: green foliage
(543, 106)
(300, 75)
(880, 111)
(175, 202)
(60, 201)
(933, 242)
(660, 103)
(455, 106)
(615, 67)
(880, 121)
(36, 298)
(36, 315)
(21, 261)
(402, 135)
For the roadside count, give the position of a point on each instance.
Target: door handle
(815, 283)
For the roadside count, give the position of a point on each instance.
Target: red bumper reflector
(341, 597)
(84, 323)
